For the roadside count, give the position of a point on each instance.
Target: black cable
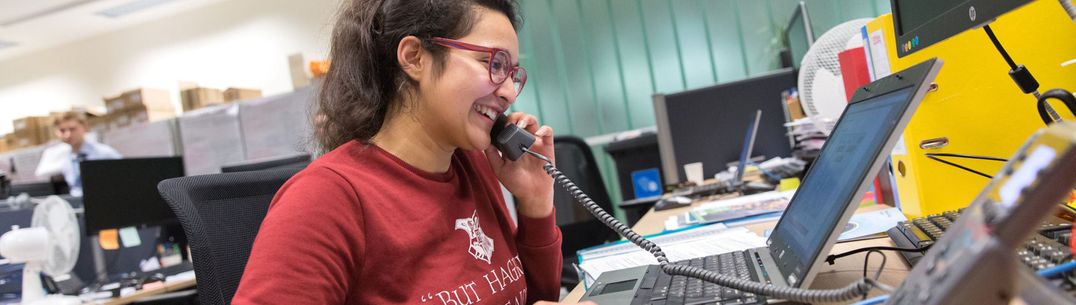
(960, 166)
(934, 156)
(850, 292)
(968, 156)
(997, 44)
(833, 258)
(866, 266)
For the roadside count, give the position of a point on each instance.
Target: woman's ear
(413, 58)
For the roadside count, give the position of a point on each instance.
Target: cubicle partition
(157, 139)
(278, 125)
(211, 137)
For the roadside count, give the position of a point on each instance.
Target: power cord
(1057, 270)
(833, 258)
(877, 274)
(936, 157)
(850, 292)
(1027, 83)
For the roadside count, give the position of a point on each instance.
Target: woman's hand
(525, 177)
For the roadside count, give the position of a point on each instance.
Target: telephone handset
(513, 142)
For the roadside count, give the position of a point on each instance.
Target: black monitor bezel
(94, 225)
(947, 24)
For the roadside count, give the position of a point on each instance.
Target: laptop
(748, 147)
(864, 135)
(736, 184)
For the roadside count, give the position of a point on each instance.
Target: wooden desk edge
(144, 293)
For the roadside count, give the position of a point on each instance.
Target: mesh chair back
(221, 214)
(580, 229)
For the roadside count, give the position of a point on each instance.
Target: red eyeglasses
(500, 62)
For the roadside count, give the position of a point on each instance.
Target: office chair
(579, 229)
(221, 214)
(299, 160)
(34, 189)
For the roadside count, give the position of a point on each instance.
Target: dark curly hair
(365, 78)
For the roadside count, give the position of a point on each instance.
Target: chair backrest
(34, 189)
(221, 214)
(575, 159)
(298, 160)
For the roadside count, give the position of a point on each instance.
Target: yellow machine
(976, 109)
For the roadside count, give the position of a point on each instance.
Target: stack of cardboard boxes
(141, 105)
(7, 142)
(32, 131)
(199, 97)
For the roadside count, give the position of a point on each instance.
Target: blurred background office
(183, 88)
(594, 63)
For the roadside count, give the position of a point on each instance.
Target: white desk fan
(49, 245)
(821, 85)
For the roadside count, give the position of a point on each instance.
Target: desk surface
(145, 293)
(845, 271)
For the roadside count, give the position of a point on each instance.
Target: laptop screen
(827, 190)
(748, 146)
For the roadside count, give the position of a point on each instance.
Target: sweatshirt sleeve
(539, 242)
(309, 247)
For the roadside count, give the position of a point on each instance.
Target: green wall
(594, 64)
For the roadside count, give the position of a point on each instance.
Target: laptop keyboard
(675, 290)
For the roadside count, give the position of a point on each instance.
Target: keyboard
(675, 290)
(1048, 248)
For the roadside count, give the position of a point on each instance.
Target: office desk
(845, 271)
(145, 293)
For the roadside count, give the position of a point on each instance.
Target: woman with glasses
(405, 207)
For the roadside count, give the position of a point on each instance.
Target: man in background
(71, 129)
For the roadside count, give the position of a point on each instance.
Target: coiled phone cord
(850, 292)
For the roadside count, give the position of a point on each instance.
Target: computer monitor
(301, 160)
(799, 34)
(703, 125)
(921, 23)
(123, 192)
(748, 147)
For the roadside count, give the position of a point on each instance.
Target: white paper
(704, 241)
(879, 55)
(867, 224)
(25, 163)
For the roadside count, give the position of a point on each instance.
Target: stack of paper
(762, 206)
(678, 246)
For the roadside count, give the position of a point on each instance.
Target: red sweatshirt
(360, 226)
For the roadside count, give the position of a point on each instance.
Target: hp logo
(971, 13)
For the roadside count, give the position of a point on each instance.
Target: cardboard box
(31, 131)
(142, 114)
(31, 123)
(155, 99)
(5, 145)
(115, 103)
(199, 97)
(240, 94)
